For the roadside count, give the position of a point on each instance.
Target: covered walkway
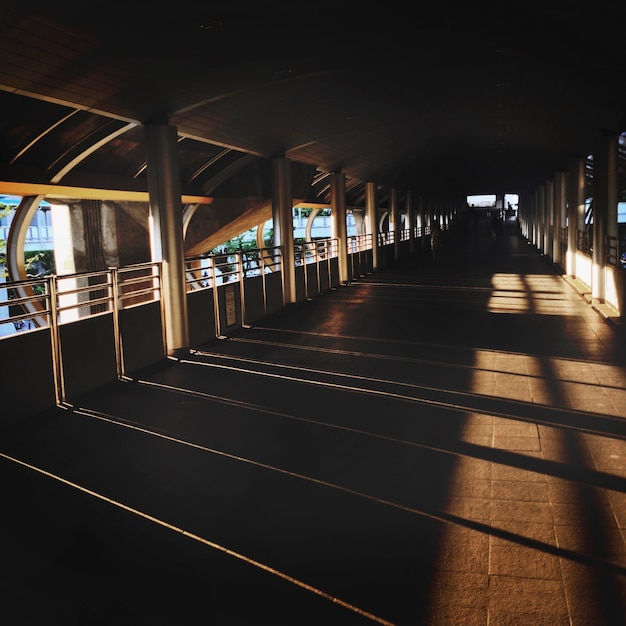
(439, 442)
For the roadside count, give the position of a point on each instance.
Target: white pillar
(166, 230)
(605, 191)
(338, 214)
(410, 221)
(558, 208)
(423, 221)
(371, 219)
(282, 202)
(394, 215)
(548, 233)
(575, 211)
(537, 231)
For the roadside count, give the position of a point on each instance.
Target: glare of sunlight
(518, 293)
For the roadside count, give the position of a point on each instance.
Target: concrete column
(548, 234)
(529, 214)
(95, 259)
(541, 218)
(575, 211)
(338, 216)
(536, 219)
(422, 220)
(166, 231)
(283, 224)
(558, 203)
(394, 216)
(500, 204)
(410, 221)
(430, 217)
(371, 219)
(605, 191)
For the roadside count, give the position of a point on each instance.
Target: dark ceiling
(455, 98)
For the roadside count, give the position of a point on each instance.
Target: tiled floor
(436, 443)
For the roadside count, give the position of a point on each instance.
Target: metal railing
(584, 241)
(50, 303)
(616, 251)
(405, 234)
(386, 238)
(25, 305)
(37, 303)
(360, 243)
(316, 251)
(615, 248)
(57, 300)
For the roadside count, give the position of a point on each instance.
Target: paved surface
(438, 443)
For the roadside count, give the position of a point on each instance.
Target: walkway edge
(606, 311)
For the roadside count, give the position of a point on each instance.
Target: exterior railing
(25, 305)
(616, 252)
(386, 238)
(584, 241)
(30, 304)
(405, 234)
(359, 243)
(615, 248)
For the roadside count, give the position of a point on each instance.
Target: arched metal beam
(16, 242)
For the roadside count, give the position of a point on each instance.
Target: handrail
(15, 313)
(207, 270)
(83, 294)
(616, 251)
(75, 296)
(360, 243)
(584, 241)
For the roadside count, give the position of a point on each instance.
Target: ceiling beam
(86, 193)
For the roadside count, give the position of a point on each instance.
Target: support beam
(283, 224)
(371, 219)
(166, 231)
(338, 215)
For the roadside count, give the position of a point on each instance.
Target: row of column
(559, 205)
(166, 225)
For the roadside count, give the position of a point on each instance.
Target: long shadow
(258, 482)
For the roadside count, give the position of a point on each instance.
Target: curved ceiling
(454, 98)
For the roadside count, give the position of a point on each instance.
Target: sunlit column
(394, 214)
(410, 222)
(338, 215)
(283, 224)
(539, 216)
(549, 234)
(543, 225)
(422, 220)
(605, 184)
(371, 216)
(166, 230)
(558, 208)
(500, 203)
(575, 210)
(444, 213)
(535, 217)
(430, 214)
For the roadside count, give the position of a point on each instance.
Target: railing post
(242, 298)
(216, 304)
(55, 341)
(117, 334)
